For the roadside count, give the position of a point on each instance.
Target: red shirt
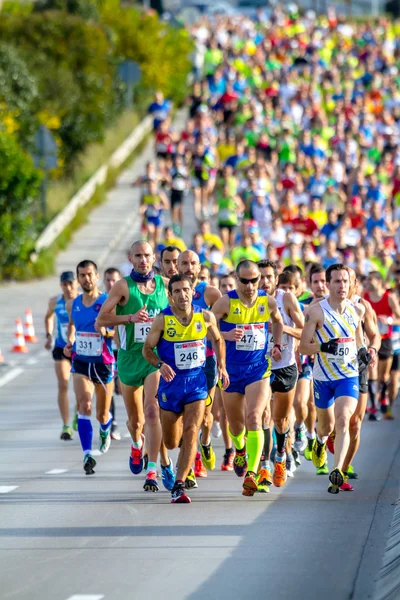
(305, 226)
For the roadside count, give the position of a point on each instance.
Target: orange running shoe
(199, 468)
(249, 484)
(331, 442)
(227, 461)
(280, 476)
(264, 474)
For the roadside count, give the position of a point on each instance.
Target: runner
(62, 363)
(395, 369)
(204, 297)
(179, 333)
(152, 205)
(92, 361)
(284, 371)
(243, 314)
(336, 326)
(110, 277)
(133, 303)
(169, 261)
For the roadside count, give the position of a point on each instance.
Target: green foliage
(84, 8)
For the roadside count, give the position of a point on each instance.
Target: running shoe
(240, 462)
(168, 476)
(145, 460)
(66, 433)
(178, 494)
(264, 480)
(346, 486)
(384, 405)
(280, 474)
(324, 470)
(319, 456)
(374, 415)
(290, 465)
(104, 441)
(331, 442)
(190, 481)
(351, 472)
(336, 478)
(151, 483)
(208, 456)
(216, 429)
(388, 416)
(227, 460)
(136, 459)
(115, 434)
(300, 442)
(199, 468)
(296, 457)
(308, 450)
(250, 484)
(75, 422)
(89, 464)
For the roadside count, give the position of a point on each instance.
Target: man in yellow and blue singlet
(179, 333)
(243, 316)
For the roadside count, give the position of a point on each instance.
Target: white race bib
(347, 352)
(190, 355)
(253, 337)
(271, 343)
(142, 331)
(88, 344)
(225, 215)
(64, 331)
(178, 184)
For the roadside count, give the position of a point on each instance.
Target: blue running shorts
(240, 376)
(326, 392)
(182, 390)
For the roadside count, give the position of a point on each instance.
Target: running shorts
(306, 372)
(241, 376)
(98, 373)
(182, 390)
(396, 363)
(386, 349)
(285, 379)
(176, 197)
(211, 371)
(58, 354)
(326, 392)
(156, 221)
(133, 368)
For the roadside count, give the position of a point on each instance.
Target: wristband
(373, 348)
(278, 346)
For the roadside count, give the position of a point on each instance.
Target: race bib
(88, 344)
(284, 342)
(190, 355)
(178, 184)
(152, 212)
(225, 215)
(64, 331)
(142, 331)
(253, 337)
(347, 352)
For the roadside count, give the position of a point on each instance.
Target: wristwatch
(159, 365)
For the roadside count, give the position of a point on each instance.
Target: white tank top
(328, 367)
(287, 345)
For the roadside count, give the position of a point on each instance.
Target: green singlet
(132, 367)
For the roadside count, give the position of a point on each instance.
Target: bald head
(189, 265)
(142, 257)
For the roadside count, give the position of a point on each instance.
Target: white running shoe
(216, 429)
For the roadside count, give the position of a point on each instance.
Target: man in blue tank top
(56, 338)
(92, 361)
(180, 333)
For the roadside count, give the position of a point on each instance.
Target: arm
(164, 202)
(395, 306)
(107, 316)
(49, 322)
(307, 346)
(218, 345)
(294, 311)
(371, 329)
(151, 342)
(211, 295)
(71, 330)
(277, 328)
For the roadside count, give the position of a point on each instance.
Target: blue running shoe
(136, 459)
(168, 476)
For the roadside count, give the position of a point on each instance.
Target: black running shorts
(284, 379)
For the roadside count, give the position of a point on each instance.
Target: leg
(325, 422)
(63, 371)
(344, 409)
(84, 389)
(172, 428)
(208, 420)
(355, 430)
(300, 400)
(384, 366)
(193, 415)
(234, 406)
(152, 416)
(257, 395)
(133, 399)
(311, 415)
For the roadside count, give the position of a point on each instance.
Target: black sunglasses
(246, 281)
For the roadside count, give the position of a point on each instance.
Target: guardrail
(82, 197)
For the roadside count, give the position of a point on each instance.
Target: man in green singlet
(131, 306)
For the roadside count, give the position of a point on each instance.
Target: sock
(310, 436)
(281, 441)
(384, 385)
(372, 391)
(228, 450)
(151, 468)
(105, 427)
(266, 451)
(322, 439)
(255, 441)
(138, 444)
(112, 408)
(238, 440)
(85, 431)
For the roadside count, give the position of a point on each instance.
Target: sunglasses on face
(246, 281)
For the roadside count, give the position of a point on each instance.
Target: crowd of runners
(276, 325)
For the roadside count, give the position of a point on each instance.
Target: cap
(67, 276)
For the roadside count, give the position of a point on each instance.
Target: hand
(364, 357)
(141, 316)
(276, 354)
(49, 342)
(331, 347)
(374, 356)
(234, 335)
(224, 377)
(68, 350)
(166, 372)
(101, 330)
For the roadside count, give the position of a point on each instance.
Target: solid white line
(10, 376)
(86, 597)
(31, 361)
(56, 471)
(4, 489)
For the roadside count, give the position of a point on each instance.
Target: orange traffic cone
(29, 330)
(19, 340)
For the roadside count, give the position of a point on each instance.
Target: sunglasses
(246, 281)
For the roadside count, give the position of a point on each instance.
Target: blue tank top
(182, 347)
(62, 322)
(90, 346)
(254, 343)
(198, 297)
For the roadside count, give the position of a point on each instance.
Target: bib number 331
(88, 344)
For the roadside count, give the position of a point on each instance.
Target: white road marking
(31, 361)
(56, 471)
(86, 597)
(96, 453)
(4, 489)
(10, 376)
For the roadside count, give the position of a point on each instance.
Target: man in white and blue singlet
(333, 332)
